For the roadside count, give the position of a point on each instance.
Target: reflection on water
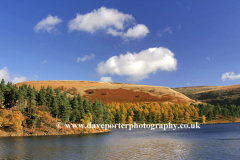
(149, 149)
(220, 141)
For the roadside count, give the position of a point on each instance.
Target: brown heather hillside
(114, 92)
(213, 94)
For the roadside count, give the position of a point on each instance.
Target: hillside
(114, 92)
(188, 91)
(27, 111)
(213, 94)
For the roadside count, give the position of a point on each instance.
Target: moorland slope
(114, 92)
(222, 95)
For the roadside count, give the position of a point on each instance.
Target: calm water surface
(217, 141)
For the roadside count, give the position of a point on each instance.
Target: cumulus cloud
(19, 79)
(49, 24)
(106, 79)
(4, 74)
(86, 57)
(109, 20)
(139, 65)
(137, 31)
(230, 76)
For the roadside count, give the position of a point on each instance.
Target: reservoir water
(215, 141)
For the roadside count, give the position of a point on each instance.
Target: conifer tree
(150, 117)
(49, 95)
(86, 106)
(65, 108)
(41, 97)
(2, 85)
(81, 109)
(8, 95)
(100, 113)
(1, 98)
(54, 108)
(24, 89)
(14, 94)
(31, 98)
(118, 116)
(107, 117)
(58, 96)
(139, 117)
(75, 109)
(21, 101)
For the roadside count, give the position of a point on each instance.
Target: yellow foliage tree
(203, 119)
(15, 120)
(130, 120)
(123, 119)
(187, 116)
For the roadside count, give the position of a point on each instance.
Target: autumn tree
(123, 119)
(130, 120)
(187, 116)
(203, 119)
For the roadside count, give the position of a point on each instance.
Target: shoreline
(15, 134)
(21, 134)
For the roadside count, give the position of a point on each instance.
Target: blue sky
(162, 43)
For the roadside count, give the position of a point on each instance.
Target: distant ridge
(222, 95)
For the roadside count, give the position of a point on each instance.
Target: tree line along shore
(26, 111)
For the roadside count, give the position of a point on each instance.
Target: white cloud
(230, 76)
(139, 65)
(166, 30)
(4, 74)
(36, 76)
(106, 79)
(188, 84)
(137, 31)
(86, 57)
(45, 61)
(48, 24)
(111, 21)
(19, 79)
